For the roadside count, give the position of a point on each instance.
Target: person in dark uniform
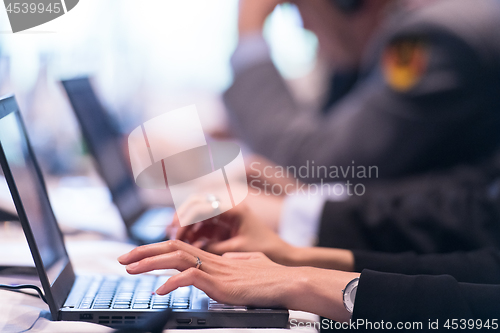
(426, 96)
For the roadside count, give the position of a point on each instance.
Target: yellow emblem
(404, 62)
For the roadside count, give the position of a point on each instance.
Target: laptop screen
(32, 192)
(104, 144)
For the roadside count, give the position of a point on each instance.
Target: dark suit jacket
(419, 299)
(480, 266)
(451, 116)
(470, 290)
(447, 211)
(411, 288)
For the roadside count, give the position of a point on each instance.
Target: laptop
(114, 301)
(144, 224)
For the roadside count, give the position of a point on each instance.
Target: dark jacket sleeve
(399, 298)
(452, 210)
(481, 266)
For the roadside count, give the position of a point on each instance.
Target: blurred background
(146, 58)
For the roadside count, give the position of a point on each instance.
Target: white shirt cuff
(299, 222)
(301, 216)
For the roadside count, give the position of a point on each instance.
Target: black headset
(348, 6)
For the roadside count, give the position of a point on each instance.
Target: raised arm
(434, 124)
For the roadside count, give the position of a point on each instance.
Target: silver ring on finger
(198, 263)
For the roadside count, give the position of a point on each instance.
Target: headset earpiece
(348, 6)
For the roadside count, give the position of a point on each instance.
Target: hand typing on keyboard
(235, 278)
(240, 229)
(249, 279)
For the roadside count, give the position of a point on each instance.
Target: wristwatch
(349, 294)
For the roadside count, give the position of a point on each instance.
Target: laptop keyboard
(133, 293)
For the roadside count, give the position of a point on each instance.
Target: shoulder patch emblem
(404, 62)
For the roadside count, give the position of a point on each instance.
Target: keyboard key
(121, 306)
(141, 306)
(144, 294)
(141, 303)
(180, 305)
(162, 298)
(181, 299)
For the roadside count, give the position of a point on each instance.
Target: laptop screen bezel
(56, 293)
(70, 85)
